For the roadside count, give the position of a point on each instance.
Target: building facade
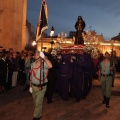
(13, 30)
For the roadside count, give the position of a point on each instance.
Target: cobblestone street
(18, 105)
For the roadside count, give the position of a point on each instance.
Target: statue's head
(80, 18)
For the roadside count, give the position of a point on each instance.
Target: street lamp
(52, 34)
(44, 48)
(34, 45)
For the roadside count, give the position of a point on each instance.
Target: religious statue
(79, 26)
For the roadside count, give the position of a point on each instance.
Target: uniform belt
(38, 85)
(105, 75)
(27, 67)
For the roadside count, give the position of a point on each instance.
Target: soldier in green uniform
(106, 78)
(38, 81)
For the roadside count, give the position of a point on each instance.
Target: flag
(42, 21)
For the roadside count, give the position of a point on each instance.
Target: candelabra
(89, 38)
(90, 41)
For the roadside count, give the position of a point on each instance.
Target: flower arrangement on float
(95, 54)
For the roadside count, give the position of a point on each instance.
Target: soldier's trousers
(38, 100)
(106, 82)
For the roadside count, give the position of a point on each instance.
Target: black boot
(104, 100)
(107, 102)
(36, 118)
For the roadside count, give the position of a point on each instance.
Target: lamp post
(52, 42)
(112, 52)
(52, 35)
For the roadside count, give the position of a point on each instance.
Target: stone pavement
(18, 105)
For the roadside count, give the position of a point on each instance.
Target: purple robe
(64, 76)
(77, 80)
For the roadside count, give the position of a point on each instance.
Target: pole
(41, 58)
(41, 42)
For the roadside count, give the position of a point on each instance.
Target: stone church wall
(11, 20)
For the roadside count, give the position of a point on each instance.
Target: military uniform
(106, 81)
(39, 85)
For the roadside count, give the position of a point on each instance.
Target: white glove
(30, 89)
(42, 55)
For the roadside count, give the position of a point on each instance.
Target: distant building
(72, 34)
(31, 29)
(116, 38)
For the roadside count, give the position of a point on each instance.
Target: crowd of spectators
(14, 68)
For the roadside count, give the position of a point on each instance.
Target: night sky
(102, 15)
